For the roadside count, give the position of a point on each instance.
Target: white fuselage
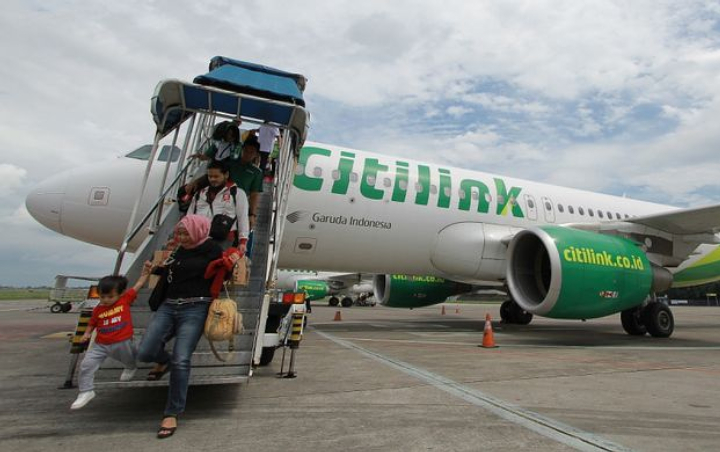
(354, 211)
(350, 231)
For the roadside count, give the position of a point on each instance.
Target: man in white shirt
(223, 197)
(266, 136)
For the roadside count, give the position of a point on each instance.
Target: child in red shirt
(113, 322)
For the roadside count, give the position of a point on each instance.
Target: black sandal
(166, 432)
(156, 375)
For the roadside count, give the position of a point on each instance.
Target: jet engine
(405, 291)
(566, 273)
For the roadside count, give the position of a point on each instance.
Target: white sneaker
(82, 399)
(127, 374)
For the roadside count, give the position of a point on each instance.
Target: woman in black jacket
(182, 314)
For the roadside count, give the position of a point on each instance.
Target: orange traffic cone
(442, 311)
(338, 316)
(488, 339)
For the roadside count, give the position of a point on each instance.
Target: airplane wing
(701, 220)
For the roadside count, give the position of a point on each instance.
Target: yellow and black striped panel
(77, 345)
(296, 329)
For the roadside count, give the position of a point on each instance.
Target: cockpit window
(143, 153)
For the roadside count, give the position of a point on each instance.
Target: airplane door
(531, 207)
(549, 209)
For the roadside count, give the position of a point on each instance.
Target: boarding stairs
(230, 91)
(206, 368)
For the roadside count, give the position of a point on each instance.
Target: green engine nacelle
(314, 290)
(404, 291)
(566, 273)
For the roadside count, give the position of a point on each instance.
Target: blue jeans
(186, 323)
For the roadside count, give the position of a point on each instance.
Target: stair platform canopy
(235, 89)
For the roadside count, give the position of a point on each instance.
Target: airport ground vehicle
(64, 298)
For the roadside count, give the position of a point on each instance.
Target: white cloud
(610, 95)
(11, 177)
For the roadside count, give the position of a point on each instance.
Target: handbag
(223, 323)
(159, 293)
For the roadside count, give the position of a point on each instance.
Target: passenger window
(581, 211)
(617, 215)
(570, 209)
(600, 213)
(501, 199)
(561, 208)
(488, 197)
(335, 174)
(299, 169)
(591, 212)
(418, 187)
(403, 185)
(354, 177)
(433, 189)
(461, 193)
(371, 180)
(317, 171)
(475, 195)
(627, 216)
(174, 156)
(548, 206)
(387, 182)
(531, 204)
(447, 192)
(141, 153)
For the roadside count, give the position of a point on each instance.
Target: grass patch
(24, 294)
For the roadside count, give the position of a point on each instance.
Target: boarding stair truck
(186, 113)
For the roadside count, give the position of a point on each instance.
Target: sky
(611, 96)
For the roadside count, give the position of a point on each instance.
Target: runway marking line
(548, 427)
(58, 335)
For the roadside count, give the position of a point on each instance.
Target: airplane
(429, 231)
(340, 287)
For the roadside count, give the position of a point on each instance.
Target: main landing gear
(512, 313)
(654, 318)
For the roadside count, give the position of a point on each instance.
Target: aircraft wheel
(66, 307)
(514, 313)
(658, 319)
(346, 302)
(506, 312)
(56, 308)
(267, 355)
(333, 301)
(632, 321)
(271, 326)
(521, 316)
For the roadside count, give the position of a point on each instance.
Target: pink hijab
(198, 228)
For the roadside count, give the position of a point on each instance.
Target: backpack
(222, 324)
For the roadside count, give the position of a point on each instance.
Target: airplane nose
(44, 203)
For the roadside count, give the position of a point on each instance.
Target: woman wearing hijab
(181, 315)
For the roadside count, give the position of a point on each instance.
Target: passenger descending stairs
(206, 369)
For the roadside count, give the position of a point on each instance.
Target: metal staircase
(206, 368)
(271, 96)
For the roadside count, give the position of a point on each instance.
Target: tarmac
(398, 380)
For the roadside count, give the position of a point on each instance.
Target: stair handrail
(131, 235)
